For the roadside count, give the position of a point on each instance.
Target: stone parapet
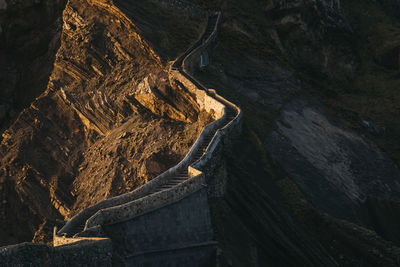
(63, 240)
(131, 209)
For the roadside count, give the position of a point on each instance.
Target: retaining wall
(174, 225)
(205, 101)
(201, 255)
(131, 209)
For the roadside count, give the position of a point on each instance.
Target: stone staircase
(170, 186)
(212, 22)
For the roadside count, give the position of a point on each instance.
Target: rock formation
(104, 112)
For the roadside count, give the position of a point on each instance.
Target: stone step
(164, 187)
(179, 177)
(172, 184)
(178, 181)
(200, 153)
(155, 190)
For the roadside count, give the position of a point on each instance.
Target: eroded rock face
(336, 169)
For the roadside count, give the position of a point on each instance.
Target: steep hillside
(107, 123)
(319, 133)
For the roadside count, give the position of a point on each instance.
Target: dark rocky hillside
(314, 178)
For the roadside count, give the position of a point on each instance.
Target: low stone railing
(133, 203)
(63, 240)
(132, 209)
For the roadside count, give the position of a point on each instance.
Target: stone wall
(233, 129)
(131, 209)
(178, 224)
(192, 60)
(205, 101)
(202, 255)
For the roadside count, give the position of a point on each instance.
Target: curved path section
(187, 176)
